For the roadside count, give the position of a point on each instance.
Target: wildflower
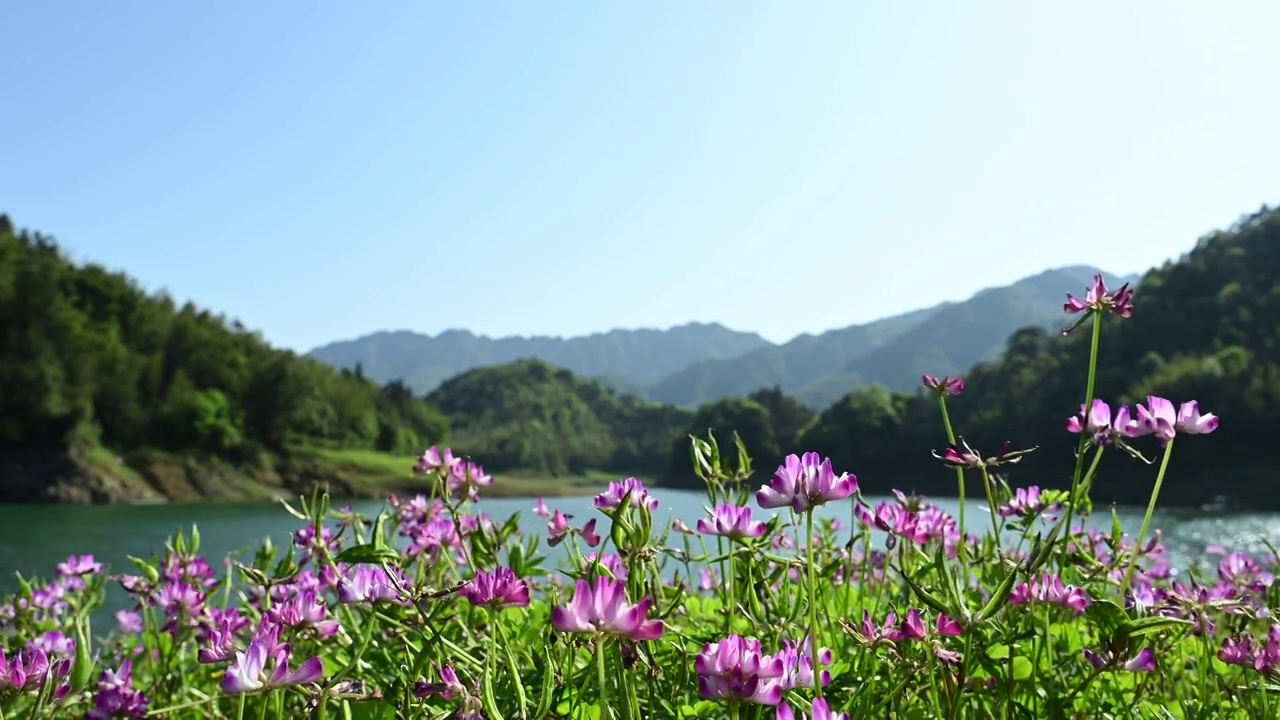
(627, 487)
(1098, 423)
(558, 528)
(805, 482)
(798, 666)
(610, 562)
(116, 697)
(944, 386)
(370, 585)
(129, 621)
(1191, 422)
(589, 534)
(465, 480)
(1098, 300)
(678, 525)
(248, 672)
(220, 643)
(600, 607)
(448, 687)
(1144, 661)
(731, 521)
(1157, 418)
(434, 458)
(25, 671)
(737, 668)
(961, 455)
(82, 565)
(1028, 502)
(304, 609)
(819, 711)
(540, 509)
(499, 588)
(1049, 589)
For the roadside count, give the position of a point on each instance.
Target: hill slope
(108, 393)
(629, 358)
(894, 352)
(1204, 328)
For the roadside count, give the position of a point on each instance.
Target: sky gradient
(321, 171)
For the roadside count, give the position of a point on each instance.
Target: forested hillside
(1205, 328)
(131, 385)
(89, 361)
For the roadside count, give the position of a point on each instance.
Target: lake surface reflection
(33, 539)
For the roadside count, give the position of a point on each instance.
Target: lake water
(33, 539)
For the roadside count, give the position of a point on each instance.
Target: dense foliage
(533, 416)
(1209, 329)
(434, 609)
(86, 355)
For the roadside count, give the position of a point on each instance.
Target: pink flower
(820, 711)
(805, 482)
(731, 521)
(600, 607)
(499, 588)
(248, 672)
(944, 386)
(540, 509)
(737, 668)
(558, 529)
(1097, 299)
(589, 534)
(636, 493)
(1191, 422)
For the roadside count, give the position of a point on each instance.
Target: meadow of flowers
(433, 609)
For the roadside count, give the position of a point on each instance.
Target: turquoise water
(33, 539)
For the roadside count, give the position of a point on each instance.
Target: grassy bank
(379, 473)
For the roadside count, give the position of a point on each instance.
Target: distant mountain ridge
(700, 362)
(624, 359)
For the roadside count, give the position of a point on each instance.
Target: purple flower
(434, 458)
(499, 588)
(820, 711)
(731, 521)
(1051, 590)
(129, 621)
(601, 607)
(1144, 661)
(1191, 422)
(1157, 417)
(944, 386)
(558, 528)
(589, 534)
(540, 509)
(248, 672)
(805, 482)
(1098, 299)
(27, 670)
(116, 697)
(370, 585)
(81, 565)
(1026, 502)
(304, 609)
(639, 495)
(737, 668)
(798, 664)
(448, 687)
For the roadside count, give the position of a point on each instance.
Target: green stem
(951, 438)
(240, 710)
(1088, 401)
(602, 676)
(1146, 519)
(814, 640)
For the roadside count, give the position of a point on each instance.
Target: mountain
(1205, 327)
(894, 352)
(624, 359)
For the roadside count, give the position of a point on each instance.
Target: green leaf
(927, 598)
(1151, 624)
(1000, 597)
(369, 553)
(1108, 617)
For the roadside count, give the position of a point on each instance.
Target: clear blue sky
(321, 170)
